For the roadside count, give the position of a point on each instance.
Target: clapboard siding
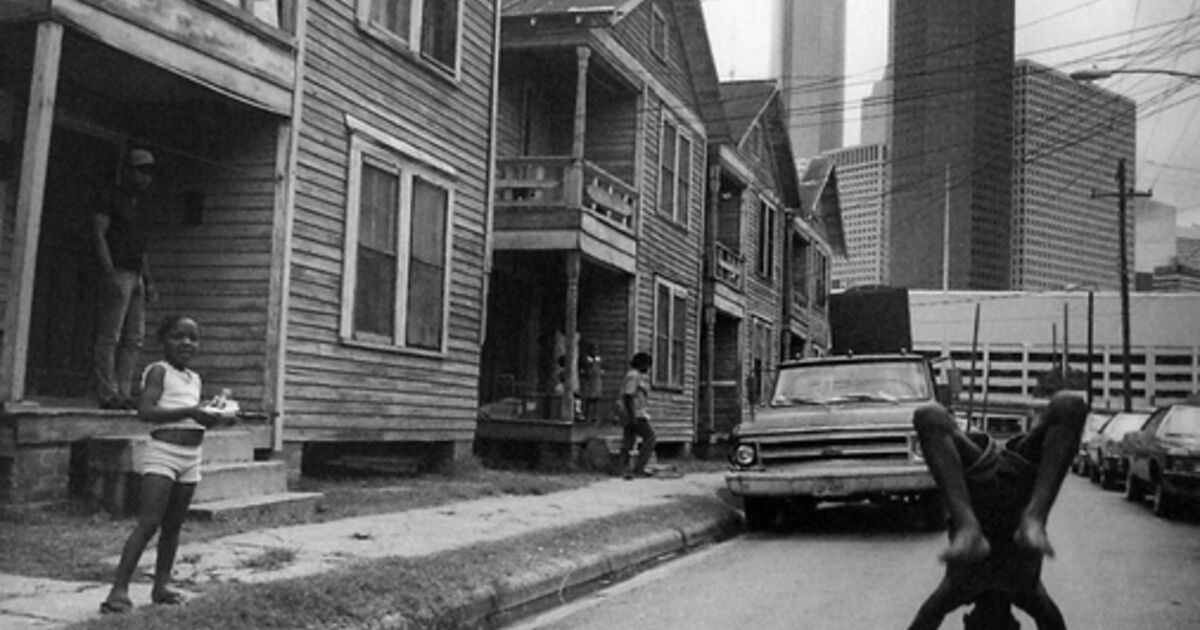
(344, 392)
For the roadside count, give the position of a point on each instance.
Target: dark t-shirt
(125, 236)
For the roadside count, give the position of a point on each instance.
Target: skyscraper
(1068, 139)
(951, 143)
(862, 190)
(812, 72)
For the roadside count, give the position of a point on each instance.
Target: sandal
(116, 606)
(167, 598)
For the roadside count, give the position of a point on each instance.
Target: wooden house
(320, 208)
(605, 112)
(766, 250)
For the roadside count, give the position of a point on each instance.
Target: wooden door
(62, 330)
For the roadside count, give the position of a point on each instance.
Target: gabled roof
(820, 203)
(532, 8)
(744, 102)
(759, 102)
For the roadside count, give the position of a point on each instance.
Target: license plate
(829, 488)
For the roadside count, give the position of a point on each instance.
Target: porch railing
(555, 182)
(728, 266)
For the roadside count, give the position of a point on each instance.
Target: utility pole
(1123, 193)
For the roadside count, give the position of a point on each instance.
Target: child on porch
(171, 468)
(592, 374)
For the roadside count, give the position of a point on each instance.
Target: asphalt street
(1117, 567)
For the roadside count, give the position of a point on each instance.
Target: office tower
(1068, 140)
(862, 190)
(812, 68)
(951, 143)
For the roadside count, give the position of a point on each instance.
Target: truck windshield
(851, 382)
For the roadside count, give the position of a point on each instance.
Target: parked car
(1106, 464)
(1082, 464)
(1164, 458)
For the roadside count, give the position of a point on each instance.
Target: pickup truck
(836, 429)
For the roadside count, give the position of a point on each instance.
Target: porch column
(35, 156)
(570, 329)
(574, 183)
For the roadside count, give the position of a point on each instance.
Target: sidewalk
(40, 603)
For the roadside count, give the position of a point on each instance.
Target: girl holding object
(170, 400)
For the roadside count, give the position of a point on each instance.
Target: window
(766, 239)
(429, 28)
(761, 356)
(670, 328)
(396, 265)
(658, 32)
(675, 172)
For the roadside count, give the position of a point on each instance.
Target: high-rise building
(812, 60)
(951, 143)
(1068, 140)
(862, 190)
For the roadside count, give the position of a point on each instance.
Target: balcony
(555, 203)
(243, 48)
(727, 273)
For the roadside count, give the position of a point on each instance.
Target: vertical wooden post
(35, 156)
(570, 329)
(574, 178)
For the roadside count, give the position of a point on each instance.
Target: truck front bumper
(831, 481)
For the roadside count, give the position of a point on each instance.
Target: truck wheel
(1108, 479)
(761, 513)
(1133, 491)
(1164, 501)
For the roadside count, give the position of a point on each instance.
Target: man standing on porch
(120, 234)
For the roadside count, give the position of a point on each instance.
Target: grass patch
(427, 592)
(70, 542)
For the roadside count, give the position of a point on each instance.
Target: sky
(1065, 34)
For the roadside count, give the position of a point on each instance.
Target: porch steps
(232, 482)
(301, 505)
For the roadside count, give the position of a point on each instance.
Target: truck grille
(883, 444)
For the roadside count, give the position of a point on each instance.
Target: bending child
(170, 400)
(999, 500)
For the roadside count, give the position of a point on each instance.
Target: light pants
(120, 327)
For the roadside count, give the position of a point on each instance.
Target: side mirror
(948, 392)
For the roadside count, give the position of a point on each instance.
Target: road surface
(1117, 568)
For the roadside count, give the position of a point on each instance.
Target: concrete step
(243, 479)
(294, 504)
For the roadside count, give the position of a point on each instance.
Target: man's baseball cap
(141, 157)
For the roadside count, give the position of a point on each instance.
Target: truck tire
(761, 513)
(1164, 501)
(1133, 487)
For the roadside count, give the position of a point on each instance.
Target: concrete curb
(527, 594)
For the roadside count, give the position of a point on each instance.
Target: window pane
(426, 269)
(662, 335)
(678, 330)
(439, 32)
(685, 174)
(375, 284)
(666, 181)
(393, 15)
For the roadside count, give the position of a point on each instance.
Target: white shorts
(179, 463)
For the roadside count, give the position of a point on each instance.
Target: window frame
(768, 235)
(680, 209)
(670, 370)
(372, 147)
(412, 45)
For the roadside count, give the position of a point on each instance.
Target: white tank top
(180, 389)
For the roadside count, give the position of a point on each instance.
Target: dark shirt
(125, 236)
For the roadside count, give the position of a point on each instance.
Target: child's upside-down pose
(999, 500)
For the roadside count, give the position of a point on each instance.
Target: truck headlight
(745, 455)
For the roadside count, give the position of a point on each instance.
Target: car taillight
(745, 455)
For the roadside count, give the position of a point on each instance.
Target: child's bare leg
(948, 452)
(154, 496)
(1055, 436)
(168, 539)
(942, 601)
(1038, 605)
